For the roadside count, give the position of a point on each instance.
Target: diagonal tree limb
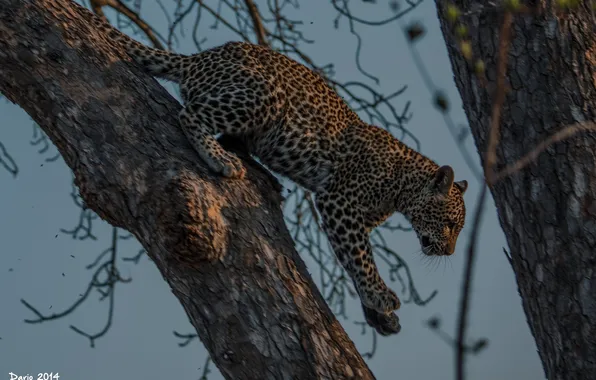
(220, 244)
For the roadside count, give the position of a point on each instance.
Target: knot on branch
(195, 230)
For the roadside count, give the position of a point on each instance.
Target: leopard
(291, 119)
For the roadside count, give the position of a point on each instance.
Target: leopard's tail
(157, 62)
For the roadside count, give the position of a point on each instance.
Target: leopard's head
(440, 213)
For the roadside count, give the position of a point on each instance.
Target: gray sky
(140, 344)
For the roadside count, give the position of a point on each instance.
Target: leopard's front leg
(349, 238)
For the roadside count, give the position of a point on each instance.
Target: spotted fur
(299, 127)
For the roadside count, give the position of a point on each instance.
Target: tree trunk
(220, 244)
(548, 209)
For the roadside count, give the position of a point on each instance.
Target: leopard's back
(293, 120)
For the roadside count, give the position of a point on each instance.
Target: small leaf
(466, 49)
(568, 4)
(479, 345)
(479, 67)
(434, 323)
(453, 13)
(394, 6)
(441, 102)
(461, 31)
(463, 134)
(512, 5)
(415, 31)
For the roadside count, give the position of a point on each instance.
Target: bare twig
(344, 12)
(257, 24)
(83, 229)
(219, 18)
(206, 369)
(186, 338)
(563, 134)
(508, 257)
(7, 161)
(122, 8)
(41, 140)
(466, 287)
(104, 280)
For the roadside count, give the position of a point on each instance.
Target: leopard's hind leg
(201, 135)
(231, 111)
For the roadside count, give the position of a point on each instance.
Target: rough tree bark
(220, 244)
(547, 210)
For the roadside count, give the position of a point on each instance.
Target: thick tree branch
(220, 244)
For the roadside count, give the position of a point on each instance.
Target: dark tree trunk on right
(548, 209)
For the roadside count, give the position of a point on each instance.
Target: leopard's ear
(443, 180)
(462, 186)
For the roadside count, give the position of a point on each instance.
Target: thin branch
(83, 229)
(104, 286)
(508, 257)
(219, 18)
(397, 16)
(180, 16)
(257, 24)
(133, 16)
(7, 161)
(39, 138)
(206, 369)
(113, 277)
(136, 258)
(531, 156)
(466, 287)
(187, 338)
